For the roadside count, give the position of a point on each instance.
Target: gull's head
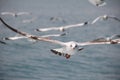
(71, 48)
(62, 29)
(15, 15)
(105, 17)
(72, 45)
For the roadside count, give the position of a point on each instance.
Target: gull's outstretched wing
(75, 25)
(100, 41)
(62, 28)
(96, 19)
(114, 17)
(105, 17)
(54, 35)
(23, 13)
(14, 38)
(47, 29)
(23, 37)
(38, 38)
(8, 13)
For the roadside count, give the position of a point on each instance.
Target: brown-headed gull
(105, 17)
(98, 2)
(62, 28)
(68, 48)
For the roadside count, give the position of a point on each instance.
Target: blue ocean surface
(25, 60)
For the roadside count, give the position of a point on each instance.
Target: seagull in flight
(54, 19)
(15, 14)
(62, 28)
(68, 48)
(105, 17)
(98, 2)
(114, 39)
(29, 20)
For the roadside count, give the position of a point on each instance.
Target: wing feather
(100, 41)
(75, 25)
(96, 19)
(39, 38)
(47, 29)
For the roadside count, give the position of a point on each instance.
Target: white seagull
(29, 20)
(15, 14)
(105, 17)
(68, 48)
(98, 2)
(62, 28)
(53, 19)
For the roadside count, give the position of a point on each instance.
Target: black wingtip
(37, 30)
(86, 23)
(116, 36)
(55, 52)
(1, 19)
(6, 38)
(2, 42)
(67, 56)
(80, 49)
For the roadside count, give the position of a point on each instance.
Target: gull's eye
(76, 46)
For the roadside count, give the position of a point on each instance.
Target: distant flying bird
(105, 17)
(98, 2)
(29, 20)
(68, 48)
(107, 39)
(15, 14)
(53, 19)
(62, 28)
